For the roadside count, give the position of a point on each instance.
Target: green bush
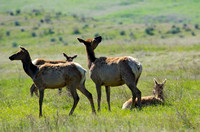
(33, 34)
(53, 39)
(76, 31)
(175, 30)
(196, 26)
(122, 33)
(7, 33)
(18, 11)
(17, 23)
(149, 31)
(14, 44)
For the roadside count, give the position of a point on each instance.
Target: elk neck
(28, 66)
(90, 56)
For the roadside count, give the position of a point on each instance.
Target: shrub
(18, 11)
(33, 34)
(60, 39)
(96, 35)
(35, 28)
(193, 33)
(184, 25)
(7, 33)
(149, 31)
(52, 39)
(175, 30)
(11, 13)
(85, 26)
(17, 23)
(41, 20)
(196, 26)
(162, 37)
(47, 19)
(181, 36)
(74, 15)
(36, 12)
(76, 31)
(14, 44)
(173, 26)
(122, 33)
(58, 13)
(22, 30)
(50, 31)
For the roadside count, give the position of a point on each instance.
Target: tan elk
(43, 61)
(112, 71)
(54, 76)
(158, 97)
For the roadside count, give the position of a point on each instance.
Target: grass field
(164, 36)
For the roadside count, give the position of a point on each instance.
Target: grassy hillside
(164, 36)
(135, 11)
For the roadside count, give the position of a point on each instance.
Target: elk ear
(164, 81)
(81, 40)
(65, 55)
(22, 48)
(74, 56)
(155, 81)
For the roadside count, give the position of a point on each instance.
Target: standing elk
(39, 62)
(158, 97)
(112, 71)
(54, 76)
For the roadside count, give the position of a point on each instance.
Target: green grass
(122, 24)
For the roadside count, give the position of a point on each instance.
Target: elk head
(158, 89)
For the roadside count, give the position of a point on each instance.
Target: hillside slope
(137, 11)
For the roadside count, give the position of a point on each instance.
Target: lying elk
(149, 100)
(112, 71)
(53, 76)
(39, 62)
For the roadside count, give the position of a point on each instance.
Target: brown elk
(53, 76)
(158, 97)
(112, 71)
(39, 62)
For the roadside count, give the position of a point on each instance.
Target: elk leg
(88, 95)
(98, 88)
(133, 95)
(108, 96)
(129, 78)
(33, 88)
(40, 101)
(137, 80)
(59, 91)
(138, 95)
(75, 97)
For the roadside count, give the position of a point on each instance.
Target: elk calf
(54, 76)
(39, 62)
(149, 100)
(112, 71)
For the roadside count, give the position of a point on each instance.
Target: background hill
(135, 11)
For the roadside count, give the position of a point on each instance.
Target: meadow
(163, 36)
